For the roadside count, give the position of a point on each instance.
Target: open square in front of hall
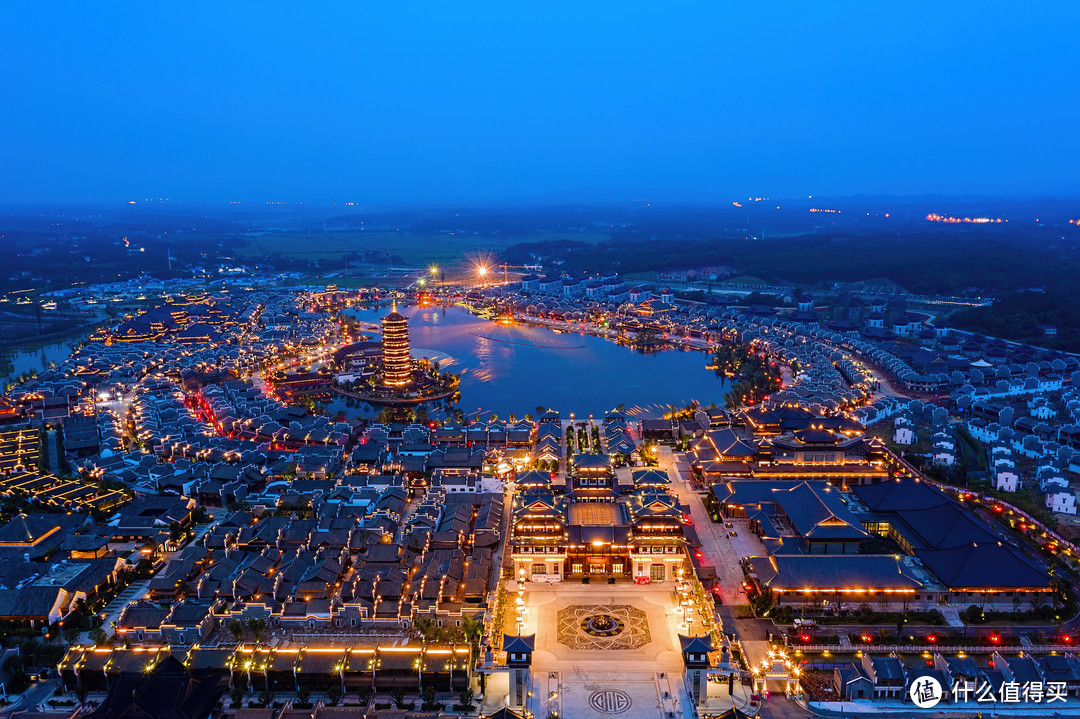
(608, 693)
(580, 627)
(595, 514)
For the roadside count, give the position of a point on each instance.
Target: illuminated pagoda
(397, 361)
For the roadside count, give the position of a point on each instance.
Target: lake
(515, 369)
(39, 359)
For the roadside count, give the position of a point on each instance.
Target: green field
(416, 249)
(308, 246)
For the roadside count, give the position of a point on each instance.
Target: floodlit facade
(397, 361)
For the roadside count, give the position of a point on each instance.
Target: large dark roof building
(793, 517)
(962, 551)
(813, 535)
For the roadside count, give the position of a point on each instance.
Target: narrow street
(719, 553)
(716, 548)
(52, 439)
(32, 697)
(112, 611)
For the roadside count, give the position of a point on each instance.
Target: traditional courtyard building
(826, 448)
(814, 540)
(596, 531)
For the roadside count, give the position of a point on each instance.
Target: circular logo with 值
(925, 692)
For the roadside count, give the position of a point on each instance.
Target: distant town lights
(934, 217)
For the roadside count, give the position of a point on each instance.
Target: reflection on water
(37, 359)
(537, 367)
(528, 336)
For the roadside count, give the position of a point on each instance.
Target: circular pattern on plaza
(610, 701)
(601, 625)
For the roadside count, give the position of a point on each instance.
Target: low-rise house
(141, 622)
(904, 431)
(888, 675)
(1007, 477)
(1061, 501)
(851, 682)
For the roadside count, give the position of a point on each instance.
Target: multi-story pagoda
(396, 358)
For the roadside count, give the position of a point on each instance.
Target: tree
(16, 671)
(266, 698)
(424, 626)
(429, 703)
(257, 627)
(466, 696)
(303, 694)
(334, 695)
(237, 693)
(973, 615)
(144, 567)
(236, 629)
(472, 630)
(398, 695)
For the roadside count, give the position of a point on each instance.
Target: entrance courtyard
(579, 626)
(605, 651)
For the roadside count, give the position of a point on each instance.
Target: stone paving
(631, 630)
(648, 640)
(610, 694)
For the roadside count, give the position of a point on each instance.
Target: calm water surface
(515, 369)
(39, 359)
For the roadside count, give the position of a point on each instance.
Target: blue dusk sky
(453, 101)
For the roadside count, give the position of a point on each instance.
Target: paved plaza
(605, 651)
(612, 694)
(644, 639)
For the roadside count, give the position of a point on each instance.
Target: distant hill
(879, 285)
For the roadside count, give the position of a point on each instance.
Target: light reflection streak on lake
(535, 367)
